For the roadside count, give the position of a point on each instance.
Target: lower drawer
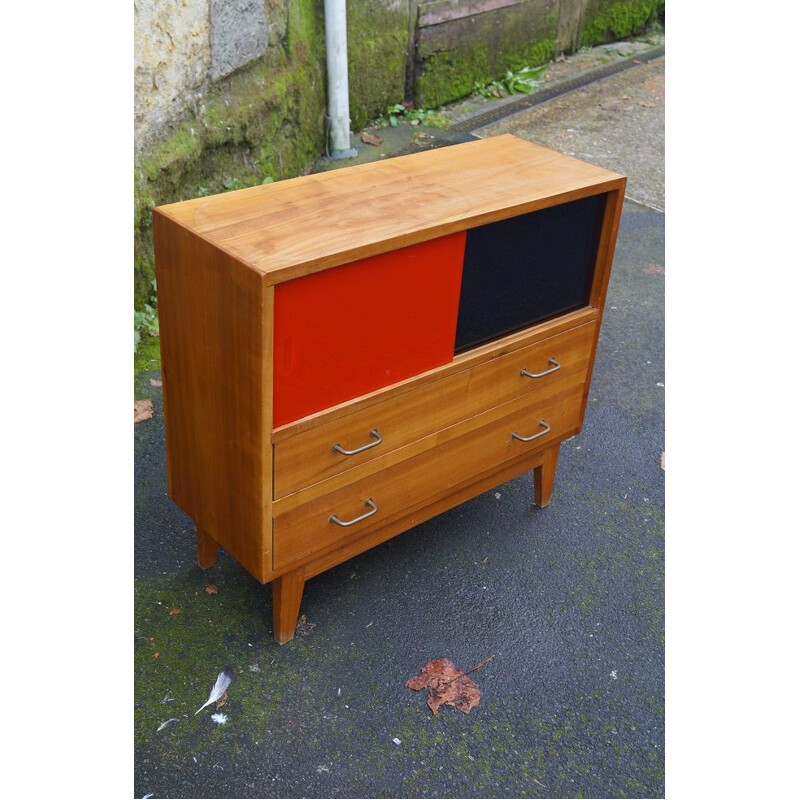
(452, 460)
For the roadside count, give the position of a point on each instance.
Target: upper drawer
(372, 432)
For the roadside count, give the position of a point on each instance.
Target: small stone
(396, 740)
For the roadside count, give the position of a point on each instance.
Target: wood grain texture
(306, 224)
(287, 594)
(452, 459)
(544, 477)
(207, 549)
(602, 272)
(212, 339)
(308, 458)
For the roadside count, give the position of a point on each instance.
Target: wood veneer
(267, 488)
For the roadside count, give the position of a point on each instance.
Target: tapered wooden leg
(206, 549)
(287, 591)
(544, 476)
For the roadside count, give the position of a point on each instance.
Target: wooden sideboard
(350, 353)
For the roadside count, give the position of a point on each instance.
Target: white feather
(164, 724)
(220, 719)
(223, 681)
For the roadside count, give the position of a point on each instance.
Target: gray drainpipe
(338, 97)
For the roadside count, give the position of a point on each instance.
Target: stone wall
(459, 43)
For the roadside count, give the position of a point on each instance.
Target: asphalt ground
(568, 599)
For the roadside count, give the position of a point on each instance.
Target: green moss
(263, 120)
(377, 40)
(148, 356)
(610, 20)
(452, 57)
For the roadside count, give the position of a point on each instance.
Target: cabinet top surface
(302, 225)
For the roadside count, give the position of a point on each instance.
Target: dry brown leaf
(304, 627)
(655, 86)
(615, 105)
(369, 138)
(221, 702)
(156, 655)
(142, 410)
(446, 684)
(154, 382)
(211, 589)
(648, 104)
(174, 611)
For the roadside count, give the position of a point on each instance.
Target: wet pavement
(569, 599)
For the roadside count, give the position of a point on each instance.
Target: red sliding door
(347, 331)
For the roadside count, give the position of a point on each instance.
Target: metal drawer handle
(368, 502)
(337, 448)
(555, 368)
(542, 424)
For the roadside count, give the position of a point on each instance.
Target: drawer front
(452, 461)
(344, 443)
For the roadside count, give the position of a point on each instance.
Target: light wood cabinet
(347, 354)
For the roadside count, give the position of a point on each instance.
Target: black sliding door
(527, 269)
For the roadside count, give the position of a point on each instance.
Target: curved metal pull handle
(367, 502)
(556, 367)
(542, 424)
(337, 448)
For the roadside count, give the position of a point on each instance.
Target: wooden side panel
(351, 330)
(602, 271)
(213, 338)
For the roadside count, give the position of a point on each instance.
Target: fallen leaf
(304, 627)
(446, 684)
(653, 269)
(369, 138)
(648, 104)
(174, 611)
(655, 86)
(142, 410)
(156, 655)
(615, 105)
(221, 702)
(154, 382)
(211, 589)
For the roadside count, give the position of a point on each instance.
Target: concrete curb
(510, 105)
